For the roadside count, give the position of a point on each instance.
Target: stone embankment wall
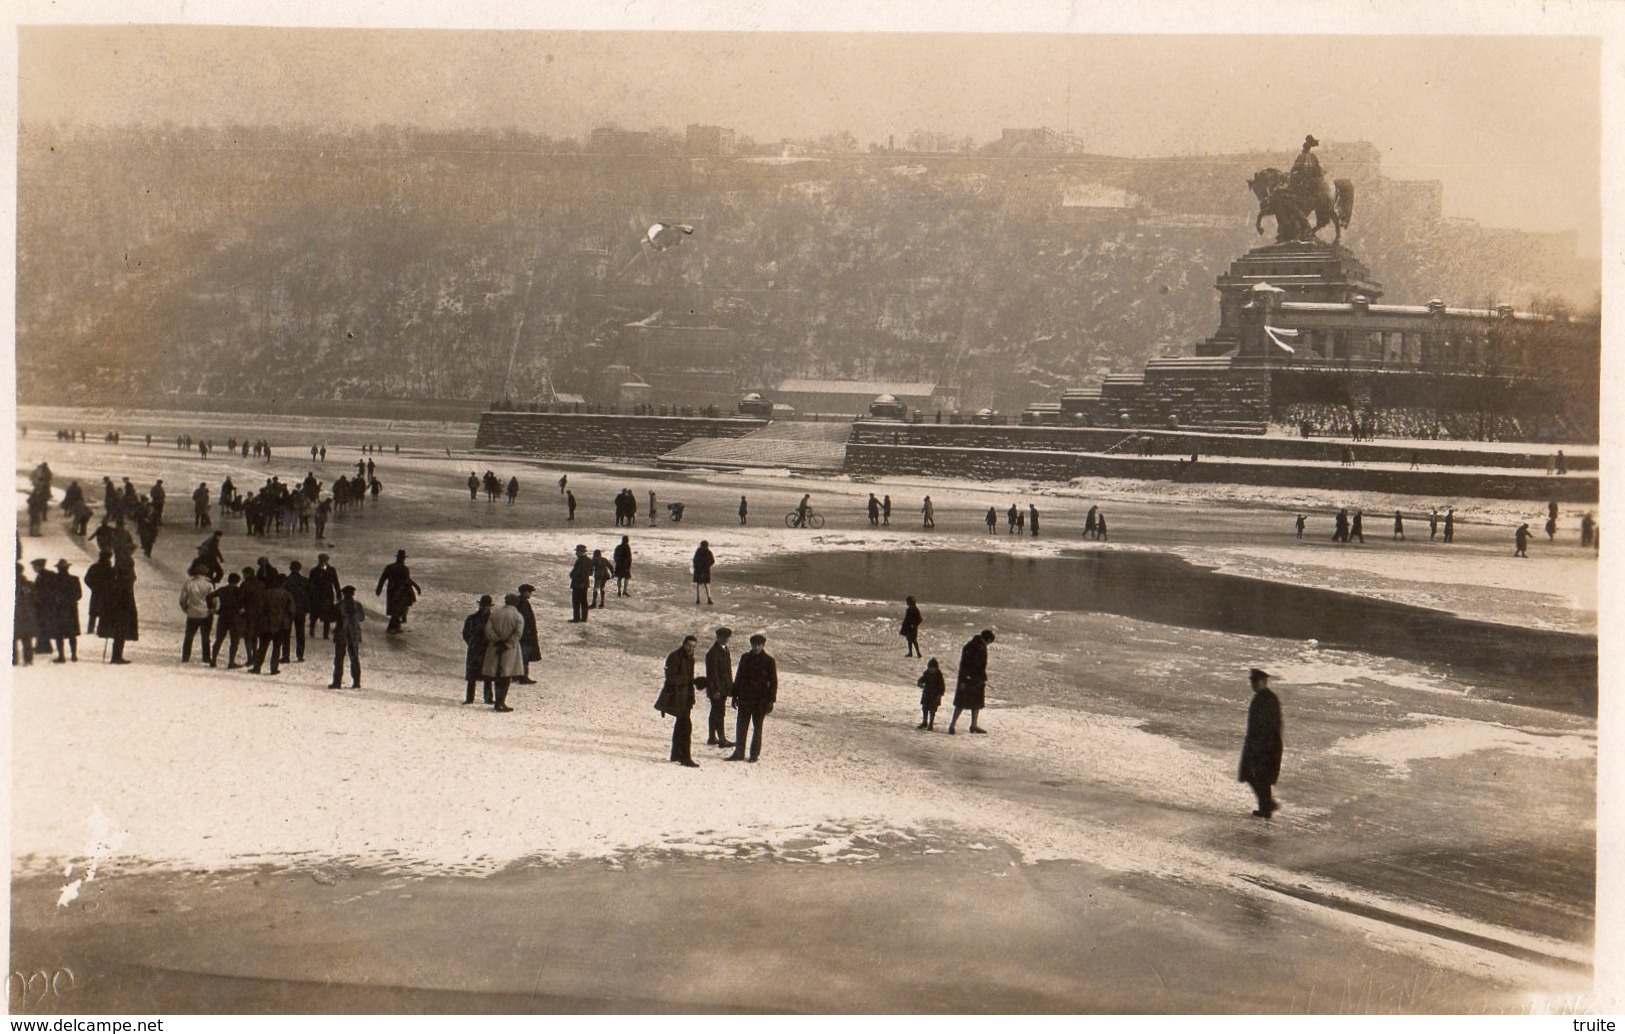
(582, 436)
(1173, 444)
(1047, 465)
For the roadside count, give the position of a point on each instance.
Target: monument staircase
(792, 445)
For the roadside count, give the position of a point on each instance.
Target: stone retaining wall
(1176, 443)
(1048, 465)
(583, 436)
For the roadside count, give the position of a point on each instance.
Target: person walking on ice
(970, 686)
(932, 688)
(1261, 745)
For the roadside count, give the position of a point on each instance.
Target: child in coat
(931, 690)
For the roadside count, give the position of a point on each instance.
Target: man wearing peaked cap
(1261, 748)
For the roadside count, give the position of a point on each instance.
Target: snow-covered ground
(1113, 741)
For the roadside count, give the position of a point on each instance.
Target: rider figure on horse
(1306, 180)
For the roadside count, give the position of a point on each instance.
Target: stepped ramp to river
(793, 445)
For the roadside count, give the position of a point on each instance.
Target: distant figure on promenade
(1261, 747)
(928, 514)
(1433, 524)
(563, 481)
(911, 629)
(744, 510)
(1450, 524)
(1399, 525)
(970, 685)
(874, 510)
(719, 683)
(932, 687)
(503, 662)
(1032, 519)
(623, 567)
(570, 506)
(1357, 527)
(1100, 527)
(653, 513)
(513, 489)
(1521, 540)
(403, 591)
(1340, 527)
(580, 581)
(1011, 514)
(802, 508)
(1300, 524)
(1588, 527)
(1091, 523)
(677, 700)
(1562, 463)
(756, 690)
(474, 656)
(473, 486)
(1551, 529)
(992, 520)
(885, 512)
(703, 562)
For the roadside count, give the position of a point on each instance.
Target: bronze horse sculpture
(1293, 205)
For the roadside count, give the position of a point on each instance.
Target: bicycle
(814, 520)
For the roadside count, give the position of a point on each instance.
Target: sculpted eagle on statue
(1293, 198)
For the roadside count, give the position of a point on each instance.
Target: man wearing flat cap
(755, 691)
(1261, 749)
(403, 591)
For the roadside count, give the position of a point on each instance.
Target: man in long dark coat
(298, 587)
(324, 595)
(755, 690)
(403, 591)
(970, 687)
(96, 580)
(1261, 749)
(474, 659)
(530, 641)
(118, 618)
(623, 566)
(59, 596)
(580, 582)
(912, 618)
(677, 700)
(231, 620)
(719, 683)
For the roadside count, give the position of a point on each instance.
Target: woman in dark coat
(911, 629)
(970, 686)
(1261, 749)
(703, 561)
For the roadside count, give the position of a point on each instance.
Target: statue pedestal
(1305, 272)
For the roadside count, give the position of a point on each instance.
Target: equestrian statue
(1293, 197)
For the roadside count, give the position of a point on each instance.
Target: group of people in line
(1349, 526)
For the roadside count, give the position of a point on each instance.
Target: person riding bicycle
(802, 509)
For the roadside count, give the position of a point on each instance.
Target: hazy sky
(1510, 124)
